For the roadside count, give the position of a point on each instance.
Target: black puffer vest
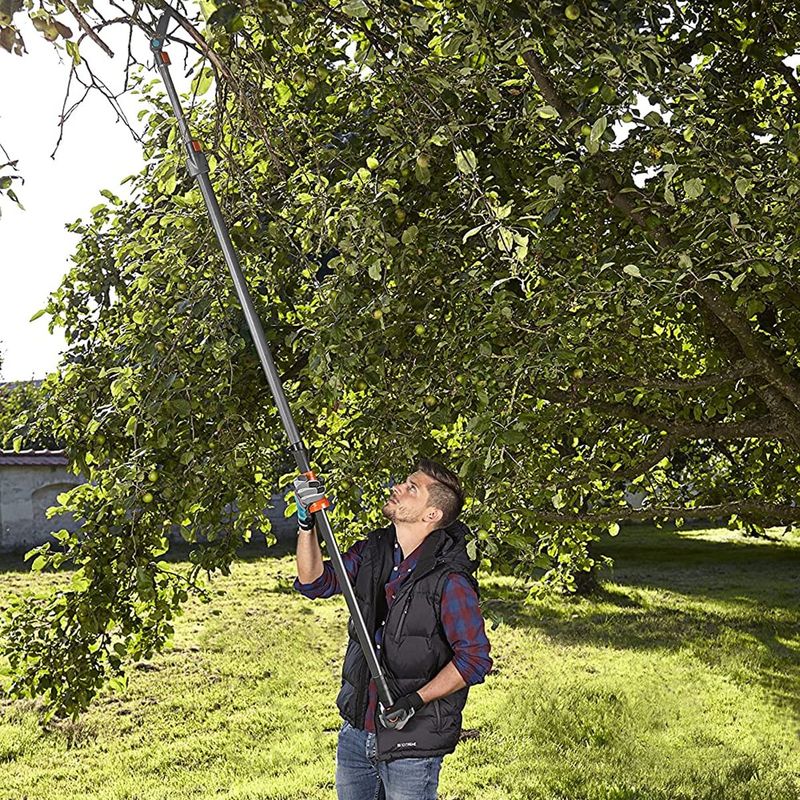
(414, 646)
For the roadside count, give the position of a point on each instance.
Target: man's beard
(389, 510)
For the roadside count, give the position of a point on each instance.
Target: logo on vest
(406, 744)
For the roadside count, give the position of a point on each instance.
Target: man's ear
(435, 514)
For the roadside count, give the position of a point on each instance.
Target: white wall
(25, 493)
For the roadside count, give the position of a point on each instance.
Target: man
(416, 589)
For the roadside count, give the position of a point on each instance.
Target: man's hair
(445, 492)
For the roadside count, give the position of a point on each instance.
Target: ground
(680, 680)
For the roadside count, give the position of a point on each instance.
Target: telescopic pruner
(197, 165)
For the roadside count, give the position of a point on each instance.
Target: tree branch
(87, 28)
(738, 326)
(758, 428)
(777, 513)
(750, 345)
(613, 383)
(547, 87)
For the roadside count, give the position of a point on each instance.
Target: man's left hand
(400, 713)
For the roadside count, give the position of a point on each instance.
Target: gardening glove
(306, 493)
(400, 713)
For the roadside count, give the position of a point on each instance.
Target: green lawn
(681, 680)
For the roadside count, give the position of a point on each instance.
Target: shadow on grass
(731, 602)
(702, 564)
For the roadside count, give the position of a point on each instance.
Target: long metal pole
(198, 167)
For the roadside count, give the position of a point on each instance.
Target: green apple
(419, 329)
(147, 497)
(430, 400)
(377, 313)
(152, 476)
(361, 385)
(400, 215)
(572, 11)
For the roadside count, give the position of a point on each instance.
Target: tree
(21, 424)
(556, 248)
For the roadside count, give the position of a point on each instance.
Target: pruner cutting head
(157, 42)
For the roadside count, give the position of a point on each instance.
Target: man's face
(408, 501)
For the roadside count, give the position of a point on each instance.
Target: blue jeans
(360, 777)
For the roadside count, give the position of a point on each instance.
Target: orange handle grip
(322, 502)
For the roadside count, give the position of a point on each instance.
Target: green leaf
(743, 185)
(472, 232)
(202, 82)
(505, 240)
(762, 268)
(386, 131)
(41, 312)
(422, 172)
(355, 8)
(598, 129)
(472, 549)
(653, 119)
(693, 188)
(613, 528)
(169, 181)
(466, 161)
(632, 270)
(737, 281)
(410, 234)
(38, 563)
(375, 271)
(74, 52)
(547, 112)
(283, 93)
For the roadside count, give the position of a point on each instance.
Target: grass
(680, 680)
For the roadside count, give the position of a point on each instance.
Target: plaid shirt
(462, 620)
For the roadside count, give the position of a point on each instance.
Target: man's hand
(306, 493)
(400, 713)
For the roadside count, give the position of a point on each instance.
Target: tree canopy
(553, 246)
(21, 425)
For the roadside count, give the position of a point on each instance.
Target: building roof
(7, 386)
(33, 458)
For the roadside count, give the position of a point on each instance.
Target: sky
(97, 152)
